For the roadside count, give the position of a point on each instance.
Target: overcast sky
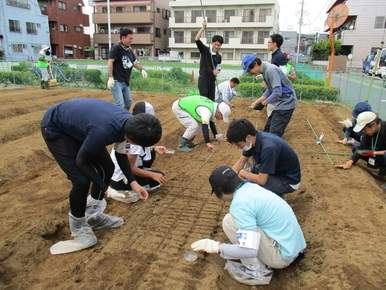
(314, 15)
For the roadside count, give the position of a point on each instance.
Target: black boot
(191, 144)
(43, 85)
(183, 145)
(48, 85)
(380, 174)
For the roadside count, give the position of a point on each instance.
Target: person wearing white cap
(197, 113)
(141, 160)
(43, 64)
(372, 148)
(279, 92)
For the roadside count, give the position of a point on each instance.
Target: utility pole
(300, 31)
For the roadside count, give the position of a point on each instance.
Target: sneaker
(245, 276)
(104, 221)
(383, 186)
(380, 174)
(149, 189)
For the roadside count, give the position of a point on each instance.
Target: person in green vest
(198, 113)
(43, 64)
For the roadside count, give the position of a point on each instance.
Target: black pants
(65, 149)
(278, 121)
(206, 88)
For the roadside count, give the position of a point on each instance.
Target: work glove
(144, 73)
(259, 106)
(206, 245)
(110, 83)
(112, 193)
(347, 123)
(365, 152)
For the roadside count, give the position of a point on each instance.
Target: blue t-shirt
(254, 206)
(96, 123)
(275, 157)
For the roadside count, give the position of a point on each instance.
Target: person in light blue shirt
(262, 228)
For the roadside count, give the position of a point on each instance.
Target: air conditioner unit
(224, 20)
(31, 57)
(128, 10)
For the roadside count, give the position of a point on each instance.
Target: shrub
(311, 93)
(93, 75)
(177, 75)
(10, 77)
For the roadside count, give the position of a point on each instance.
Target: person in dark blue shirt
(275, 167)
(76, 133)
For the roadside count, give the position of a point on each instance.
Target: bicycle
(33, 76)
(79, 77)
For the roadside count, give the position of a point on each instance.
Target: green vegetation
(322, 50)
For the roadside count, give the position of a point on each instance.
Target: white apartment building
(245, 26)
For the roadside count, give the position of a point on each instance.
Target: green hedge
(9, 77)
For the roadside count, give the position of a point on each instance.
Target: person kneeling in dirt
(275, 167)
(262, 228)
(77, 133)
(141, 159)
(197, 113)
(350, 124)
(372, 148)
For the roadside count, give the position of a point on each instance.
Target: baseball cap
(143, 107)
(225, 111)
(221, 176)
(361, 107)
(363, 119)
(44, 47)
(246, 62)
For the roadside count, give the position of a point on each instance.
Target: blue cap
(246, 62)
(361, 107)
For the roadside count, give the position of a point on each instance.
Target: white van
(380, 70)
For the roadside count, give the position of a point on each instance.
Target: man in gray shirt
(279, 92)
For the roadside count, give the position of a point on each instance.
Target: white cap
(364, 119)
(44, 47)
(225, 111)
(143, 107)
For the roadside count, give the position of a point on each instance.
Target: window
(228, 14)
(262, 56)
(143, 30)
(104, 9)
(68, 51)
(195, 14)
(248, 15)
(165, 32)
(51, 24)
(157, 32)
(211, 15)
(165, 13)
(120, 9)
(261, 36)
(263, 14)
(78, 29)
(193, 36)
(227, 35)
(31, 28)
(76, 7)
(62, 5)
(38, 25)
(179, 36)
(63, 28)
(380, 22)
(209, 35)
(247, 37)
(179, 16)
(195, 55)
(17, 48)
(139, 8)
(158, 10)
(227, 55)
(14, 25)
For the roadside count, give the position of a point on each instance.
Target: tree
(322, 50)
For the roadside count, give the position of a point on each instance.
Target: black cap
(221, 176)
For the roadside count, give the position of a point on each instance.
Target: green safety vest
(191, 103)
(288, 69)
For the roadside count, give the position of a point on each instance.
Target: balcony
(129, 17)
(145, 39)
(234, 42)
(222, 22)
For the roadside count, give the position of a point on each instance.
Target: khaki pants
(269, 252)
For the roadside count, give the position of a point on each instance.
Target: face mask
(247, 147)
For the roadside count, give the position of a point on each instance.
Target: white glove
(347, 123)
(144, 73)
(112, 193)
(110, 83)
(206, 245)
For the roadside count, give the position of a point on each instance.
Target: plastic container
(190, 256)
(219, 136)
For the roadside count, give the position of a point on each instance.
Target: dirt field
(342, 213)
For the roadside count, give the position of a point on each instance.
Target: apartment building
(66, 22)
(245, 26)
(364, 29)
(23, 29)
(148, 19)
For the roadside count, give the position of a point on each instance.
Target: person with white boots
(76, 133)
(262, 228)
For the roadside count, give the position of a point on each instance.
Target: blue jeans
(122, 95)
